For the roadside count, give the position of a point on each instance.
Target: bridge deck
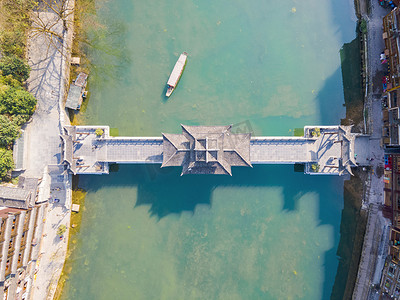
(267, 150)
(329, 152)
(131, 150)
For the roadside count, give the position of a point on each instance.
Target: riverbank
(83, 16)
(49, 80)
(354, 219)
(78, 197)
(371, 262)
(170, 103)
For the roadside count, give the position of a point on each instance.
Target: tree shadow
(350, 75)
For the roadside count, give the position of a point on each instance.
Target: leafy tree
(17, 101)
(20, 119)
(6, 162)
(12, 42)
(9, 80)
(8, 131)
(15, 66)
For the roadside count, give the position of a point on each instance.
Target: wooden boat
(176, 73)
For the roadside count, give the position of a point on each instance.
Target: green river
(264, 233)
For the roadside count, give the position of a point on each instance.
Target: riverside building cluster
(21, 225)
(390, 280)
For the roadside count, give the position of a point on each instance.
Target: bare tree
(51, 19)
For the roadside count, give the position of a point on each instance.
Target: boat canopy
(176, 72)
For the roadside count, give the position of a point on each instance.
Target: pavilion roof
(206, 149)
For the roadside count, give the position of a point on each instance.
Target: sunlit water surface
(266, 232)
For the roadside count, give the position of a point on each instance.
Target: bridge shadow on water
(165, 192)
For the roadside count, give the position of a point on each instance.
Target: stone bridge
(323, 150)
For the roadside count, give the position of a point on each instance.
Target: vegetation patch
(16, 104)
(298, 132)
(84, 17)
(15, 66)
(315, 168)
(99, 132)
(114, 132)
(16, 17)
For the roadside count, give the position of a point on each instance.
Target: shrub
(6, 162)
(317, 131)
(61, 229)
(8, 131)
(20, 119)
(13, 43)
(99, 132)
(15, 66)
(299, 132)
(363, 26)
(315, 168)
(9, 80)
(17, 101)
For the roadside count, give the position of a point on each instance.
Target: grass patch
(298, 132)
(114, 132)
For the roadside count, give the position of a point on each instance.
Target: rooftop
(22, 196)
(206, 150)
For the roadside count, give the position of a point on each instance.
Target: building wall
(391, 79)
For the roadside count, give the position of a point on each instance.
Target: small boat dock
(77, 92)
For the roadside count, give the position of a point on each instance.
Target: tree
(20, 119)
(16, 16)
(6, 162)
(8, 131)
(58, 13)
(9, 80)
(15, 66)
(17, 101)
(13, 42)
(61, 229)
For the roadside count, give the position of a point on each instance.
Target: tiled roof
(206, 149)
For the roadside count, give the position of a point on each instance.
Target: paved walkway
(42, 154)
(370, 263)
(42, 141)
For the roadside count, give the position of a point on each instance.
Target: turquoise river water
(264, 233)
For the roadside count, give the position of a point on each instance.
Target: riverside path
(322, 150)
